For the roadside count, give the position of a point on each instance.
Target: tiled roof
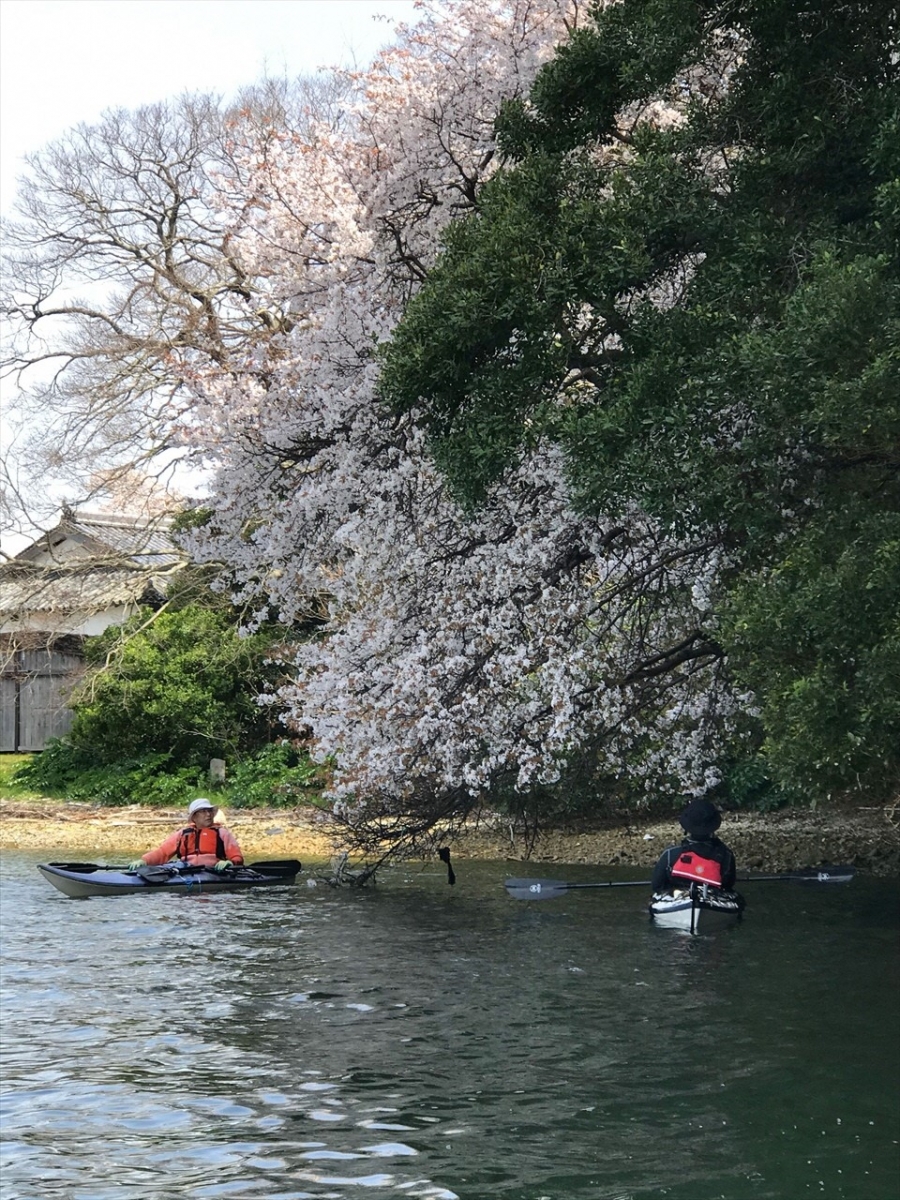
(130, 537)
(105, 538)
(75, 589)
(88, 563)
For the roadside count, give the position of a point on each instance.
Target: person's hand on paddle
(225, 864)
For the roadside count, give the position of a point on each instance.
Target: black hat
(700, 819)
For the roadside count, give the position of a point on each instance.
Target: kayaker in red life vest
(201, 844)
(701, 857)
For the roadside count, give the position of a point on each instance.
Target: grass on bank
(277, 776)
(13, 789)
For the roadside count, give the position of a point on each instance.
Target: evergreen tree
(699, 303)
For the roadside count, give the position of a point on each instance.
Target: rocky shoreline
(866, 837)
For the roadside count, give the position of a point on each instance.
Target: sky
(65, 61)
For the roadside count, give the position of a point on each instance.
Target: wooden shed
(91, 571)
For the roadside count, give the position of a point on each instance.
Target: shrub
(278, 775)
(180, 684)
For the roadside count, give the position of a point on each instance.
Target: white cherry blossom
(457, 652)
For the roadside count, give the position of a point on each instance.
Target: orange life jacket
(200, 841)
(693, 866)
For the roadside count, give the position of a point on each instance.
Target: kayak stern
(690, 910)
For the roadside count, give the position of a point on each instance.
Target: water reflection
(422, 1042)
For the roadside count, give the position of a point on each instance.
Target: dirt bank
(867, 837)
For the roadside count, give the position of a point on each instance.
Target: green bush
(748, 784)
(182, 684)
(278, 775)
(818, 635)
(163, 695)
(80, 774)
(10, 785)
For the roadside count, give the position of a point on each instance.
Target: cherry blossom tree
(461, 653)
(117, 275)
(254, 259)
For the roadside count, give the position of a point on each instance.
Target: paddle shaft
(273, 867)
(547, 889)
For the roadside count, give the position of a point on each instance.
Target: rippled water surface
(424, 1041)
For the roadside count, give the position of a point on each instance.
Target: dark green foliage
(78, 773)
(804, 201)
(278, 775)
(706, 316)
(748, 784)
(818, 635)
(182, 684)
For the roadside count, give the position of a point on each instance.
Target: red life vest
(200, 841)
(693, 866)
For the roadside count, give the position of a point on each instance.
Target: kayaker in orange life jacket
(701, 857)
(201, 844)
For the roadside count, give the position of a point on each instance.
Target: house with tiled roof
(90, 571)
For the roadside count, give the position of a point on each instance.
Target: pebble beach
(868, 837)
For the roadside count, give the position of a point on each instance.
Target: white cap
(200, 802)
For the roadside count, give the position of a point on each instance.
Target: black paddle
(85, 868)
(163, 872)
(829, 874)
(276, 866)
(549, 889)
(444, 856)
(145, 870)
(285, 868)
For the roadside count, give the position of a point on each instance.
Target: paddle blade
(829, 874)
(277, 866)
(84, 868)
(536, 889)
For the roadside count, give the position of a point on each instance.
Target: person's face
(203, 817)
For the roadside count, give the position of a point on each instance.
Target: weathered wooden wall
(34, 688)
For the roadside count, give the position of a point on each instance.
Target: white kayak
(695, 908)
